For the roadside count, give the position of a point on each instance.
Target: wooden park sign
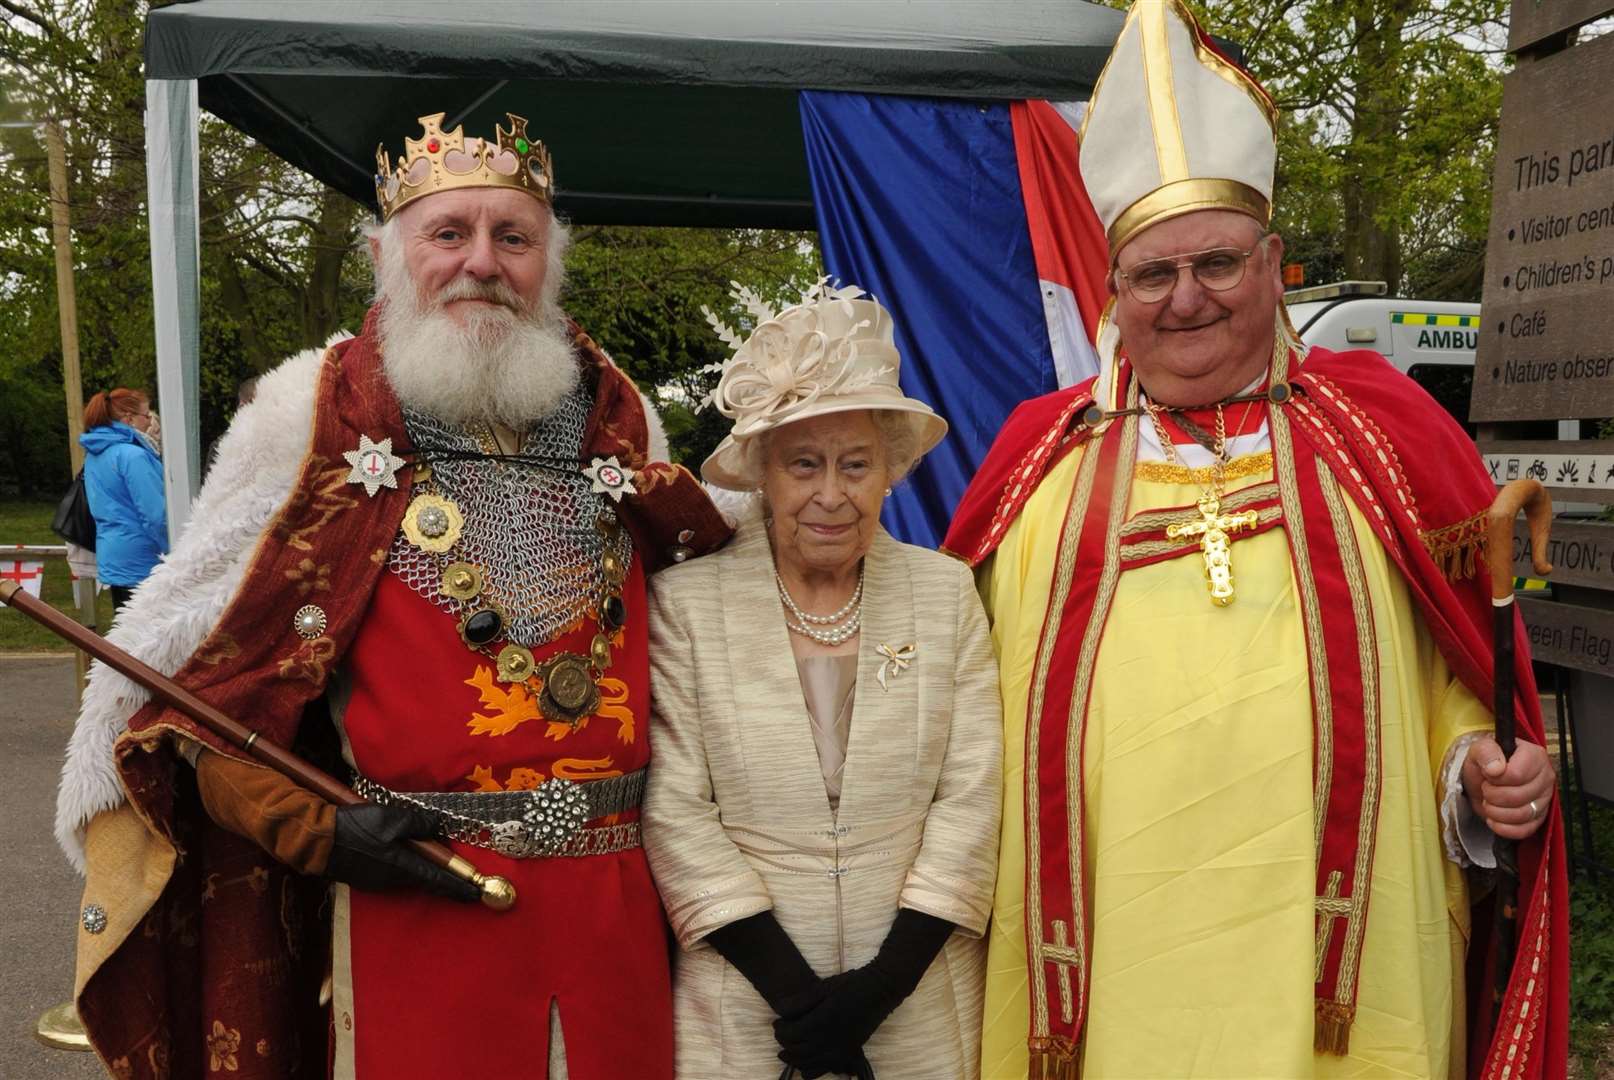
(1546, 343)
(1535, 20)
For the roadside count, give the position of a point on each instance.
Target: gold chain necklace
(1213, 526)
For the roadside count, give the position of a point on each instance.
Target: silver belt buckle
(555, 812)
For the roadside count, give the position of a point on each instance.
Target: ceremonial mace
(497, 893)
(1528, 495)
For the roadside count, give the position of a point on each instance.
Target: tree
(640, 292)
(283, 263)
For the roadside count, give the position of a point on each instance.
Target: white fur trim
(735, 506)
(659, 450)
(172, 611)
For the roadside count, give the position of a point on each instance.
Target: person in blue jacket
(123, 477)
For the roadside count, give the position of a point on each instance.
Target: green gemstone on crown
(521, 146)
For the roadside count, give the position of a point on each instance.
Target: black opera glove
(758, 947)
(857, 1002)
(370, 853)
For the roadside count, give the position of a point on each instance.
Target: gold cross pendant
(1212, 530)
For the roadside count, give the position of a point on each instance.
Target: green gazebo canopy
(656, 112)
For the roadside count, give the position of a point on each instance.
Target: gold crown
(442, 160)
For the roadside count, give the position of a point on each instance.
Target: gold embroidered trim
(1066, 957)
(1064, 575)
(1316, 651)
(1329, 908)
(1367, 820)
(1458, 549)
(1076, 726)
(1164, 472)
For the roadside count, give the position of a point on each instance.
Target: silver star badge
(611, 478)
(374, 465)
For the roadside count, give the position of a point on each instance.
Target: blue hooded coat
(123, 478)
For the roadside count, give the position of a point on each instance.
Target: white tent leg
(172, 179)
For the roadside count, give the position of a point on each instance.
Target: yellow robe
(1200, 856)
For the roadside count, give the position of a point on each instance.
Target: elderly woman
(822, 813)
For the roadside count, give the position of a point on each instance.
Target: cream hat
(1173, 127)
(832, 352)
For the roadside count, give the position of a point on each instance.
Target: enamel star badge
(611, 478)
(374, 465)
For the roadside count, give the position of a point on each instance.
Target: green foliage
(1591, 961)
(280, 272)
(29, 523)
(640, 292)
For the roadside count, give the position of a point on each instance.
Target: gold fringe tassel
(1333, 1032)
(1459, 550)
(1054, 1059)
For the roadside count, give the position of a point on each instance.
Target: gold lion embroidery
(613, 706)
(510, 708)
(522, 778)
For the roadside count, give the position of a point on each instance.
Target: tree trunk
(1372, 238)
(331, 243)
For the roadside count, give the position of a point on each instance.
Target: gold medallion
(569, 693)
(611, 564)
(599, 651)
(461, 580)
(515, 664)
(432, 523)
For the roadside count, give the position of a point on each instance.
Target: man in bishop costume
(1243, 637)
(419, 557)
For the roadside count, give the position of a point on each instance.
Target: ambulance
(1433, 341)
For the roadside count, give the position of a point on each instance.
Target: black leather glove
(857, 1002)
(369, 852)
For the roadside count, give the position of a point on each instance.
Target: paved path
(39, 892)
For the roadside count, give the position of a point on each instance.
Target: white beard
(505, 364)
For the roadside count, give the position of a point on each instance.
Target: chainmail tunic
(529, 528)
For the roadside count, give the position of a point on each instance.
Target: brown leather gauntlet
(281, 816)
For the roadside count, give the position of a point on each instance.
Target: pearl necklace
(834, 629)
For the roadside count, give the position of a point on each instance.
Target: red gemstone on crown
(431, 147)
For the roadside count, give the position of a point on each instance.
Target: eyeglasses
(1218, 269)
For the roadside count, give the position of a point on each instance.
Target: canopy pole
(173, 201)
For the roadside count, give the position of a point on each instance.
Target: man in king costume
(420, 557)
(1243, 628)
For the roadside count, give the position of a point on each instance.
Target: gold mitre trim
(1203, 50)
(444, 160)
(1184, 197)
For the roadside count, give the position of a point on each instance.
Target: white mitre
(1173, 127)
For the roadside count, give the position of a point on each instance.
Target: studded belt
(546, 821)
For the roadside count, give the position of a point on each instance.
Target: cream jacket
(736, 820)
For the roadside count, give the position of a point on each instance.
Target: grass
(29, 523)
(1591, 958)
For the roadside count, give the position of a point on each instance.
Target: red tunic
(588, 933)
(225, 956)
